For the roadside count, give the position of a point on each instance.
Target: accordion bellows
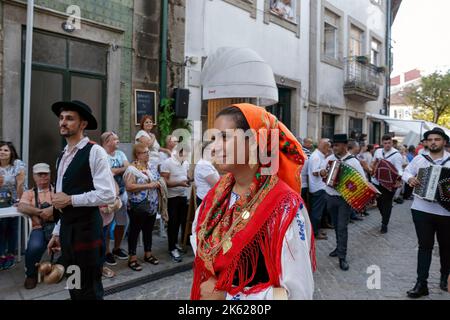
(386, 174)
(434, 185)
(351, 185)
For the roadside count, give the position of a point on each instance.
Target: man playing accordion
(339, 209)
(431, 217)
(387, 171)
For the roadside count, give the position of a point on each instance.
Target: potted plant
(362, 59)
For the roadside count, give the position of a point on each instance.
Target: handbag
(142, 207)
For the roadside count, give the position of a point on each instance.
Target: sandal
(108, 273)
(152, 259)
(134, 265)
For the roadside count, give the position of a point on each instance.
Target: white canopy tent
(238, 73)
(411, 130)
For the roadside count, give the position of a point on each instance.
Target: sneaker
(109, 259)
(120, 254)
(176, 256)
(180, 249)
(10, 262)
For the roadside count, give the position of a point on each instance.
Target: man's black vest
(81, 227)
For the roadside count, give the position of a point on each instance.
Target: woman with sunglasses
(12, 184)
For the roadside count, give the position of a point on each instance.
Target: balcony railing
(362, 80)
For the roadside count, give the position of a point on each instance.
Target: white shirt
(178, 172)
(304, 174)
(411, 170)
(102, 178)
(351, 162)
(396, 160)
(316, 162)
(288, 13)
(296, 271)
(202, 170)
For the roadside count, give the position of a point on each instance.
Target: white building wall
(211, 24)
(330, 79)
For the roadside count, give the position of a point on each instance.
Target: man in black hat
(430, 218)
(336, 205)
(84, 182)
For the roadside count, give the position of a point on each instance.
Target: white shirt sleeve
(355, 164)
(56, 228)
(397, 161)
(410, 170)
(103, 180)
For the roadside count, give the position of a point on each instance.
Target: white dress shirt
(351, 162)
(411, 171)
(296, 271)
(316, 162)
(103, 180)
(396, 160)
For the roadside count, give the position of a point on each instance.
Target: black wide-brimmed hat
(438, 131)
(340, 138)
(80, 107)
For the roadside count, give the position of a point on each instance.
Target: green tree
(431, 99)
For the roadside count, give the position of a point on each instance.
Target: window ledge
(287, 24)
(331, 61)
(245, 5)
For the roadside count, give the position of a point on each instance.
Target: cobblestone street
(395, 253)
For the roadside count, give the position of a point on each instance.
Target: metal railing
(360, 76)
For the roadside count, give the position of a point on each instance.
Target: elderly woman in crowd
(12, 184)
(146, 136)
(141, 182)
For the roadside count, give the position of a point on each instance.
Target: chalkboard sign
(144, 104)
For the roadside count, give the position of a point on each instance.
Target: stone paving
(395, 254)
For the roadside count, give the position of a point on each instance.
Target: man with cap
(336, 205)
(430, 218)
(84, 182)
(37, 204)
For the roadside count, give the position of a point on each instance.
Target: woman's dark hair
(14, 155)
(237, 115)
(412, 149)
(370, 147)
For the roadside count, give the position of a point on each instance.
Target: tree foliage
(431, 99)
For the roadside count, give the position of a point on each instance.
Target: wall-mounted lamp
(68, 27)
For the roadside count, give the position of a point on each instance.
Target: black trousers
(407, 192)
(340, 213)
(384, 204)
(91, 284)
(427, 225)
(140, 222)
(177, 209)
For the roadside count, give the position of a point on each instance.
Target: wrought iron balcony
(362, 80)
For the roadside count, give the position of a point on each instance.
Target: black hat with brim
(340, 138)
(78, 106)
(438, 131)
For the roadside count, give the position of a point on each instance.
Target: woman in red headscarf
(252, 234)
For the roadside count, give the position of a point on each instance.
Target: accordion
(434, 185)
(351, 185)
(386, 174)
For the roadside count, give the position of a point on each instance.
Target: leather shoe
(343, 264)
(333, 253)
(384, 229)
(30, 282)
(321, 236)
(444, 282)
(419, 290)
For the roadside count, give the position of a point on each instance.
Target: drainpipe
(163, 65)
(27, 83)
(387, 100)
